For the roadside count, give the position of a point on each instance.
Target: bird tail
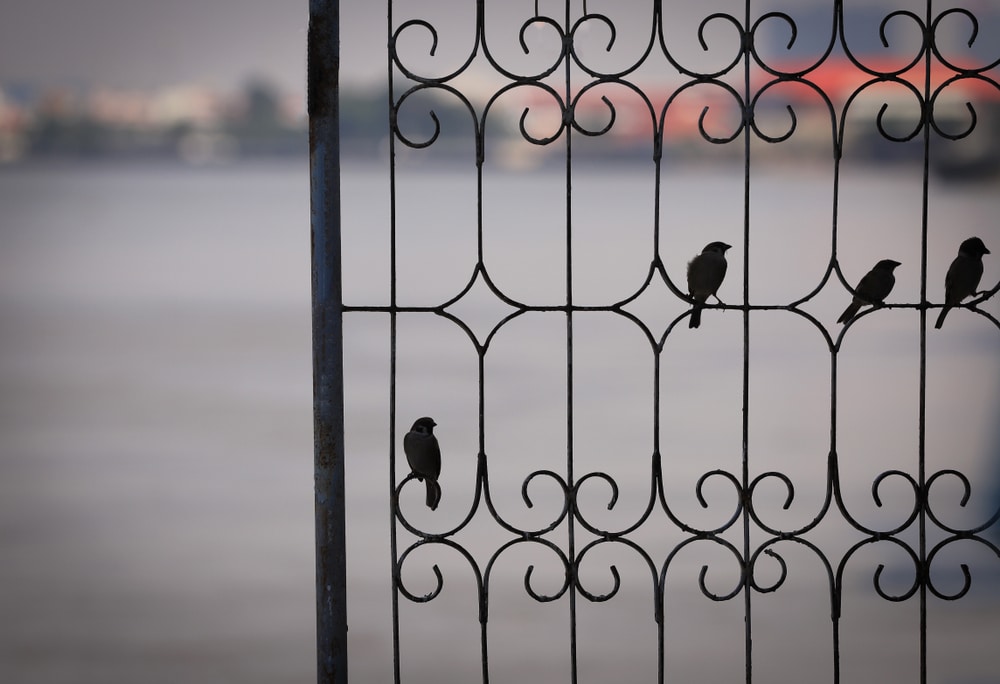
(433, 493)
(849, 312)
(940, 319)
(695, 316)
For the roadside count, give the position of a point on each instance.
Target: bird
(963, 275)
(424, 456)
(874, 287)
(704, 275)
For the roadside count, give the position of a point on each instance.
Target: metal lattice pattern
(927, 75)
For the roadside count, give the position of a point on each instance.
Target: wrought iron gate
(774, 87)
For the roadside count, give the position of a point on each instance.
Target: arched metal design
(743, 83)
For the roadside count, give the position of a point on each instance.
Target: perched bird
(963, 275)
(874, 287)
(424, 456)
(705, 273)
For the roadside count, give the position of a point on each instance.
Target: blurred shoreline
(196, 126)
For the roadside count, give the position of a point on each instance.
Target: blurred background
(156, 502)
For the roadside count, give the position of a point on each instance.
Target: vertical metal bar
(393, 503)
(393, 330)
(484, 642)
(745, 475)
(327, 320)
(833, 464)
(570, 481)
(922, 408)
(659, 141)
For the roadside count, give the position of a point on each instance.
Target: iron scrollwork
(746, 81)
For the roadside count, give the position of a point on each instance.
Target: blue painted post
(328, 356)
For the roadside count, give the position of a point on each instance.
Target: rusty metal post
(328, 357)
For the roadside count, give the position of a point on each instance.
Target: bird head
(973, 247)
(887, 265)
(424, 424)
(719, 247)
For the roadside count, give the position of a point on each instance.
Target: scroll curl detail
(726, 475)
(699, 493)
(722, 140)
(728, 18)
(789, 497)
(792, 124)
(439, 578)
(907, 593)
(544, 140)
(703, 42)
(879, 83)
(616, 580)
(407, 24)
(612, 116)
(601, 476)
(530, 570)
(884, 39)
(880, 569)
(432, 138)
(399, 512)
(782, 567)
(936, 104)
(962, 502)
(966, 575)
(739, 584)
(537, 21)
(973, 34)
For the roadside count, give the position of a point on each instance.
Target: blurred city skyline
(212, 80)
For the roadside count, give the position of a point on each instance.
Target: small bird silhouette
(704, 275)
(963, 275)
(874, 287)
(424, 456)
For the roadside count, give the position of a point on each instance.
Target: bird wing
(411, 448)
(962, 278)
(433, 457)
(705, 274)
(875, 286)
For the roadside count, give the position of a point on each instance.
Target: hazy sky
(147, 43)
(151, 43)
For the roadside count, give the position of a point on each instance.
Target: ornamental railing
(488, 103)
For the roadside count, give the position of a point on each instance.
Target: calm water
(155, 419)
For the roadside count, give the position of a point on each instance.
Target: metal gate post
(328, 356)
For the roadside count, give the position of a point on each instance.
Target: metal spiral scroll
(560, 82)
